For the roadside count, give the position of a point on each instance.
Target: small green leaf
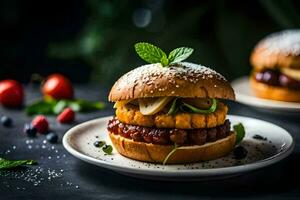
(151, 53)
(9, 164)
(193, 109)
(240, 132)
(180, 54)
(107, 149)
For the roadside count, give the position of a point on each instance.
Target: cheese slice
(150, 106)
(293, 73)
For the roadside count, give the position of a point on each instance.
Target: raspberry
(41, 124)
(67, 116)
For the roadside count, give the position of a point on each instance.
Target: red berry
(67, 116)
(11, 93)
(58, 86)
(41, 124)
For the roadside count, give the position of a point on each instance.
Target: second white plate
(244, 95)
(278, 145)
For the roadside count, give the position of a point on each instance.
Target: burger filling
(288, 78)
(169, 120)
(169, 136)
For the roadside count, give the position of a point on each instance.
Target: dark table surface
(61, 176)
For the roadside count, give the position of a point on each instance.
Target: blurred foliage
(100, 34)
(222, 34)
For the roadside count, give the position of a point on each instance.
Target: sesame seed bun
(183, 79)
(278, 50)
(266, 91)
(185, 154)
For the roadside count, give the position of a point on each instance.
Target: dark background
(93, 40)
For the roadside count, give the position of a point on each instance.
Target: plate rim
(178, 173)
(264, 103)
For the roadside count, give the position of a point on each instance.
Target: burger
(276, 67)
(171, 114)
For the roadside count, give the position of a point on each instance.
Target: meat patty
(130, 114)
(169, 136)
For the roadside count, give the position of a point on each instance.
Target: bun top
(281, 49)
(183, 79)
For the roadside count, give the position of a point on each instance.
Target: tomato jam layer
(169, 136)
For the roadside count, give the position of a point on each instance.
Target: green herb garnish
(107, 149)
(193, 109)
(184, 107)
(54, 107)
(101, 143)
(171, 153)
(240, 132)
(9, 164)
(153, 54)
(173, 109)
(179, 54)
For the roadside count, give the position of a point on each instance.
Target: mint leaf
(151, 53)
(9, 164)
(180, 54)
(240, 132)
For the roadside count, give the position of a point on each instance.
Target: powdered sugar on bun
(181, 79)
(278, 50)
(287, 42)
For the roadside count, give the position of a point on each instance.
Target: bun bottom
(266, 91)
(185, 154)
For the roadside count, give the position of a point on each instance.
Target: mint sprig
(9, 164)
(54, 107)
(153, 54)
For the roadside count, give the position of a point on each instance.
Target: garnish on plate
(170, 154)
(240, 152)
(106, 148)
(100, 143)
(259, 137)
(240, 132)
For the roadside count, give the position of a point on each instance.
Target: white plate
(244, 95)
(79, 142)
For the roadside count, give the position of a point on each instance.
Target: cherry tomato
(11, 93)
(58, 86)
